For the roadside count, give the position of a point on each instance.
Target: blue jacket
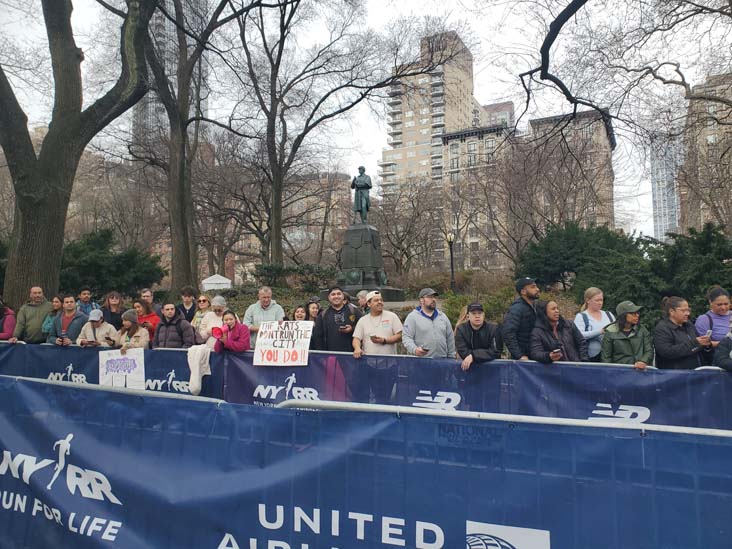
(77, 323)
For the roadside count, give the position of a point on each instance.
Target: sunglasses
(203, 300)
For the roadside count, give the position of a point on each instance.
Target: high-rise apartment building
(496, 189)
(149, 119)
(666, 157)
(705, 178)
(422, 109)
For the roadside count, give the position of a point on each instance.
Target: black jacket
(722, 357)
(676, 346)
(176, 333)
(571, 342)
(484, 344)
(327, 336)
(517, 326)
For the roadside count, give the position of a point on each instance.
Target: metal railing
(641, 428)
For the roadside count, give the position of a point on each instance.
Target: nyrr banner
(84, 469)
(577, 391)
(166, 370)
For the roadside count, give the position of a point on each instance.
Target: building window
(472, 160)
(490, 145)
(454, 163)
(472, 147)
(454, 177)
(454, 149)
(408, 114)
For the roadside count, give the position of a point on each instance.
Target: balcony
(436, 80)
(386, 172)
(438, 121)
(394, 101)
(394, 141)
(394, 131)
(436, 151)
(439, 90)
(438, 131)
(384, 163)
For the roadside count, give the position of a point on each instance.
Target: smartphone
(709, 333)
(557, 351)
(426, 349)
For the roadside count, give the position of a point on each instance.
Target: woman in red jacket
(234, 335)
(146, 317)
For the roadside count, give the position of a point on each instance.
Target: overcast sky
(502, 42)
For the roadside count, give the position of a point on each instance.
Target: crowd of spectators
(532, 329)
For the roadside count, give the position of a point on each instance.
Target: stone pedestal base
(362, 264)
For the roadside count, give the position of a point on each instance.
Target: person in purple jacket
(234, 335)
(717, 318)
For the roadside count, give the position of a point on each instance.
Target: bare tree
(405, 218)
(297, 88)
(43, 178)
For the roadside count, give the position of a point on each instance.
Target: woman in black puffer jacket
(554, 338)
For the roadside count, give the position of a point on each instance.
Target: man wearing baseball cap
(427, 331)
(96, 332)
(377, 333)
(520, 319)
(477, 341)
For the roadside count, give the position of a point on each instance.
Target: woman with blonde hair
(591, 321)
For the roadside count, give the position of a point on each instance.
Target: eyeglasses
(203, 300)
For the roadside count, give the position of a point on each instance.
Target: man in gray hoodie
(28, 326)
(427, 331)
(263, 310)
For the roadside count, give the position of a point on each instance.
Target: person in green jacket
(625, 341)
(29, 325)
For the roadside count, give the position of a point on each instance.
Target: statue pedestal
(362, 266)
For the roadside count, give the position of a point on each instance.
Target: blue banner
(87, 469)
(165, 370)
(577, 391)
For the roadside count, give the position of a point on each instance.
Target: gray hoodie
(255, 315)
(434, 334)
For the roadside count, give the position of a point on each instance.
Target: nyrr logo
(481, 535)
(90, 484)
(274, 392)
(633, 414)
(68, 375)
(169, 384)
(441, 401)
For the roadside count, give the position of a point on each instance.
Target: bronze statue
(361, 201)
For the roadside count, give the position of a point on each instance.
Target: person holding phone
(678, 347)
(97, 332)
(334, 326)
(554, 338)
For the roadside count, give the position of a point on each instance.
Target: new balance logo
(441, 401)
(634, 414)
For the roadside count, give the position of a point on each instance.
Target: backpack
(587, 319)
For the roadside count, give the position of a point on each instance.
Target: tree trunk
(34, 257)
(275, 242)
(180, 213)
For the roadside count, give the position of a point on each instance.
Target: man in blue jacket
(520, 319)
(68, 324)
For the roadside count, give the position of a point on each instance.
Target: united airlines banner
(166, 370)
(89, 469)
(577, 391)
